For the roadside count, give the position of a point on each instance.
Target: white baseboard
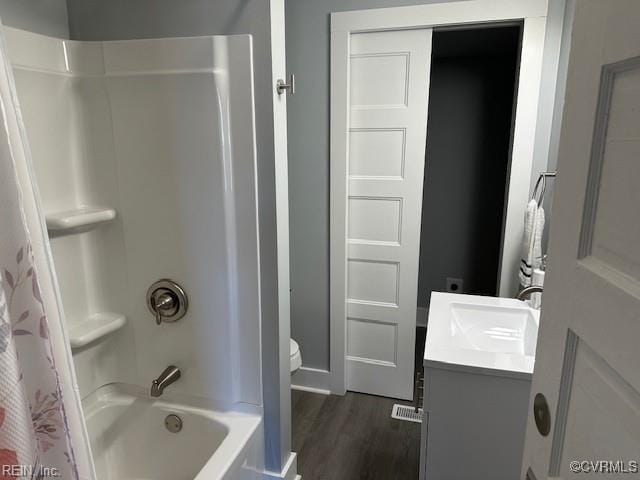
(421, 316)
(289, 471)
(312, 380)
(301, 388)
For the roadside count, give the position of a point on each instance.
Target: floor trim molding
(301, 388)
(312, 380)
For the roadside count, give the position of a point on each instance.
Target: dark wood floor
(353, 437)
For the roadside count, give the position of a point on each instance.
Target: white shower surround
(162, 131)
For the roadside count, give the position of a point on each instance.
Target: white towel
(531, 242)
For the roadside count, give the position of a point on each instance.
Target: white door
(388, 90)
(588, 358)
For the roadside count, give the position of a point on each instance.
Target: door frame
(532, 14)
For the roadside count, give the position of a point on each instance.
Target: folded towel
(531, 242)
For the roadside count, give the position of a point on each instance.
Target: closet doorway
(471, 106)
(381, 63)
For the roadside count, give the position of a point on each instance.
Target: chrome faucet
(525, 292)
(166, 378)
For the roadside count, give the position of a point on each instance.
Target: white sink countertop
(475, 333)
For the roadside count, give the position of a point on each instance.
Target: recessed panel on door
(381, 80)
(369, 340)
(374, 219)
(599, 400)
(372, 281)
(377, 153)
(617, 160)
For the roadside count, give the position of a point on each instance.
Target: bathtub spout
(166, 378)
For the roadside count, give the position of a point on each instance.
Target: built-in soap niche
(65, 107)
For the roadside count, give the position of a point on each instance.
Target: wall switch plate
(455, 285)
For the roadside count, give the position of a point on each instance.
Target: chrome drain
(173, 423)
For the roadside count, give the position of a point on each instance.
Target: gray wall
(47, 17)
(129, 19)
(126, 19)
(468, 136)
(560, 26)
(308, 57)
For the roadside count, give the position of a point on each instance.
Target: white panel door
(388, 90)
(588, 354)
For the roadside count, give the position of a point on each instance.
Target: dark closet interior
(471, 106)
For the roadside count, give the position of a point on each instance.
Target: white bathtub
(129, 439)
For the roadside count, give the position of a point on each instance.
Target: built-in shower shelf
(78, 220)
(95, 327)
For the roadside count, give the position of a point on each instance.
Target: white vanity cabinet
(478, 362)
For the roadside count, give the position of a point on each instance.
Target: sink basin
(492, 328)
(476, 332)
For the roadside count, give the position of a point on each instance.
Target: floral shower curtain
(42, 432)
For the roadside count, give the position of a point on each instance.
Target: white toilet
(295, 355)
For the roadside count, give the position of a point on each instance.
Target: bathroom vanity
(478, 362)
